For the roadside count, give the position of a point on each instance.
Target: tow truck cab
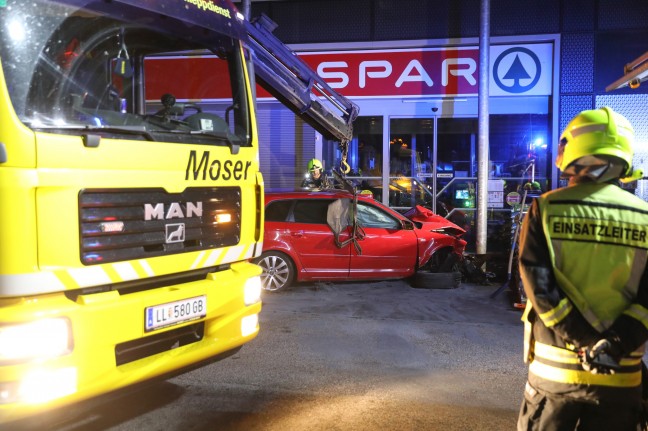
(127, 217)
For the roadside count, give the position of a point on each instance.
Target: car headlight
(41, 339)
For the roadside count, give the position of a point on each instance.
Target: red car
(314, 236)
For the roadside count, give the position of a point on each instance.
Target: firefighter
(532, 187)
(583, 261)
(315, 177)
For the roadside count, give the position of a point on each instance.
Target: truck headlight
(252, 290)
(41, 339)
(40, 385)
(249, 325)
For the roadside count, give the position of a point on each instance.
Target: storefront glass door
(423, 164)
(411, 162)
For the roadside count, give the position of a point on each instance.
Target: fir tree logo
(515, 77)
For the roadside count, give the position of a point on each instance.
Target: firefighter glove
(603, 357)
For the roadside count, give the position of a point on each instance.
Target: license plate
(173, 313)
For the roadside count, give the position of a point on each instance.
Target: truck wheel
(278, 270)
(436, 280)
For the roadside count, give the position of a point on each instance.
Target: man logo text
(173, 211)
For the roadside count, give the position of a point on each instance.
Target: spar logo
(517, 70)
(522, 70)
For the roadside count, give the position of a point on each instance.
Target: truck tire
(436, 280)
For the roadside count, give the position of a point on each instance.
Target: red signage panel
(516, 70)
(399, 73)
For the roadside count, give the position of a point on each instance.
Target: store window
(520, 149)
(520, 170)
(364, 156)
(433, 162)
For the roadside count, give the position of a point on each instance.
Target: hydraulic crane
(287, 77)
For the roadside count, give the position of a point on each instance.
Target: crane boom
(287, 77)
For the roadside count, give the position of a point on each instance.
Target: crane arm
(282, 73)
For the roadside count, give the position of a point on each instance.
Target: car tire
(436, 280)
(278, 270)
(444, 260)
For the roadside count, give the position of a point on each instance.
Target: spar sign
(516, 70)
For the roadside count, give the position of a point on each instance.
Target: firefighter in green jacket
(583, 262)
(315, 179)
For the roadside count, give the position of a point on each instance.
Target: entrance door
(432, 162)
(456, 166)
(411, 162)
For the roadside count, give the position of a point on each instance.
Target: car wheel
(436, 280)
(278, 270)
(444, 260)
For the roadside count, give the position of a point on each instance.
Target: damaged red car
(335, 235)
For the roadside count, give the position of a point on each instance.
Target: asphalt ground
(347, 356)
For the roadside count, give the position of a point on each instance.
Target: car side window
(278, 210)
(311, 211)
(370, 216)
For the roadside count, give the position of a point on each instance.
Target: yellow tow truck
(129, 217)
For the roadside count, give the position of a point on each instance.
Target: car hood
(433, 222)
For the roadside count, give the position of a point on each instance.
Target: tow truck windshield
(70, 70)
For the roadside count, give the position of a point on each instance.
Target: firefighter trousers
(540, 412)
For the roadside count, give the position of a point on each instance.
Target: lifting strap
(357, 232)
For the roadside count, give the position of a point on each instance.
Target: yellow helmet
(596, 132)
(314, 164)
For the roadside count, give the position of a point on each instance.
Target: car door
(313, 241)
(387, 249)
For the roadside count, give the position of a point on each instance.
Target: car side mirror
(407, 224)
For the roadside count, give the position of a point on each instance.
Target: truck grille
(119, 225)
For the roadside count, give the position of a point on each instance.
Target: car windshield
(70, 69)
